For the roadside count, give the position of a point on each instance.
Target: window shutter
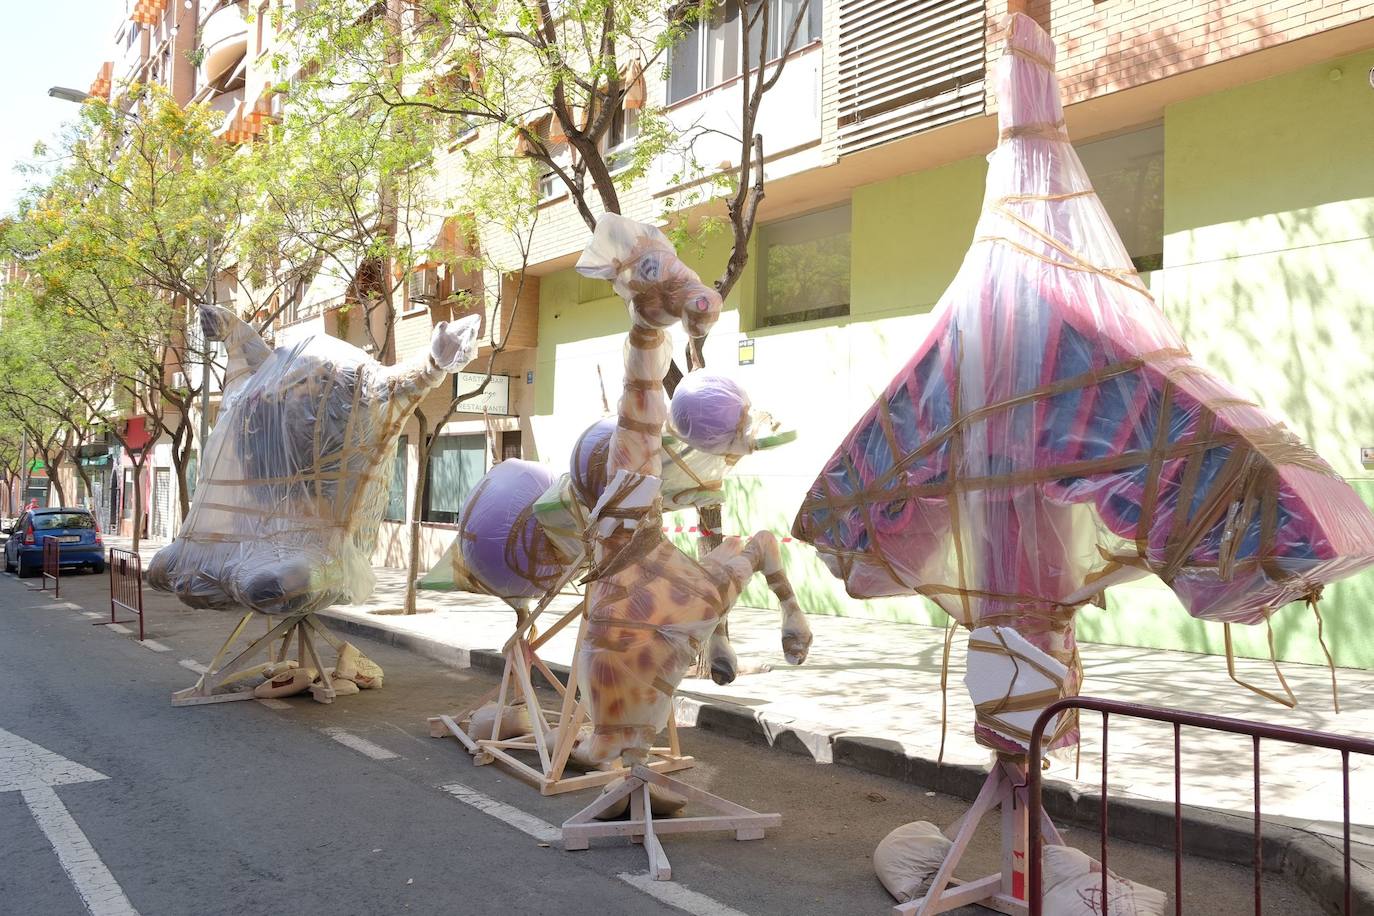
(907, 66)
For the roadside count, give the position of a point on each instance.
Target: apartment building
(1229, 142)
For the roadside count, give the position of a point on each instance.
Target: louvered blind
(907, 66)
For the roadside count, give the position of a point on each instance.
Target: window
(803, 268)
(550, 186)
(1127, 171)
(710, 50)
(396, 495)
(455, 465)
(620, 137)
(262, 28)
(128, 494)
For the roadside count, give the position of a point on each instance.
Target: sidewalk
(869, 696)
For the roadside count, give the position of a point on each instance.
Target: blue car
(75, 530)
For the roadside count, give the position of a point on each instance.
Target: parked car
(75, 530)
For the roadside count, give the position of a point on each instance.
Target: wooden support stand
(582, 827)
(547, 772)
(1004, 891)
(216, 685)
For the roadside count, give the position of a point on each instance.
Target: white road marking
(192, 665)
(525, 823)
(33, 771)
(154, 645)
(361, 745)
(119, 628)
(98, 889)
(273, 703)
(92, 614)
(675, 895)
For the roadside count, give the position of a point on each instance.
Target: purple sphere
(504, 549)
(711, 413)
(588, 466)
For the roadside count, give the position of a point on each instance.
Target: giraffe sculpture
(651, 606)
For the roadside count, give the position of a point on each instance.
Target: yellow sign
(746, 351)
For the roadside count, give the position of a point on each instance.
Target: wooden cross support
(547, 771)
(1005, 891)
(582, 827)
(217, 684)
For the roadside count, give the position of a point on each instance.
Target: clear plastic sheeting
(295, 474)
(503, 547)
(645, 271)
(1052, 436)
(711, 412)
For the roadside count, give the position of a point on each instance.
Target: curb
(1315, 863)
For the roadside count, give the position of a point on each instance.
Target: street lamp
(69, 95)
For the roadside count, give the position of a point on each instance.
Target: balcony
(224, 45)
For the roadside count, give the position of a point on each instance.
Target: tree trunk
(417, 506)
(138, 498)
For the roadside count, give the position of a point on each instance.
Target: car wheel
(9, 567)
(98, 568)
(27, 572)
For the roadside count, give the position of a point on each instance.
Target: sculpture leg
(762, 554)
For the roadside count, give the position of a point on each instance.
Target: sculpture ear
(245, 346)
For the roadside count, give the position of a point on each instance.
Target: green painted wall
(1269, 213)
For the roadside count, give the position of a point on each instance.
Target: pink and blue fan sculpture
(1052, 436)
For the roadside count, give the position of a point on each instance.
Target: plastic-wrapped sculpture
(650, 606)
(1053, 437)
(294, 476)
(523, 535)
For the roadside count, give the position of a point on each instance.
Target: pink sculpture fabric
(1053, 436)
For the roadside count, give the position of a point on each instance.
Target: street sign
(746, 351)
(495, 399)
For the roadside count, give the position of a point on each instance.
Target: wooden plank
(957, 896)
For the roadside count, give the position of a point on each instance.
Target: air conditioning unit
(424, 285)
(179, 380)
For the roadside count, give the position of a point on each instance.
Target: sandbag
(662, 803)
(908, 858)
(287, 684)
(1073, 887)
(515, 721)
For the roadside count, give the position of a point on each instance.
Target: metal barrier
(1178, 718)
(126, 587)
(52, 565)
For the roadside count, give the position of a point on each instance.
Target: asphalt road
(238, 808)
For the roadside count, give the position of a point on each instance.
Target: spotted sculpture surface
(650, 606)
(294, 479)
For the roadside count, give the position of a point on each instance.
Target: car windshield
(52, 520)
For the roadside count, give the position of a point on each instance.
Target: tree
(115, 245)
(545, 93)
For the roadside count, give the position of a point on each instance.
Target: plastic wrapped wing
(1053, 435)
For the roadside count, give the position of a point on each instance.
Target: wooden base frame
(1005, 891)
(547, 772)
(217, 684)
(641, 827)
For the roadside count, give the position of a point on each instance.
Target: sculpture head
(294, 477)
(645, 270)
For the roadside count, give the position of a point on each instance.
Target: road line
(98, 889)
(361, 745)
(92, 614)
(154, 645)
(675, 895)
(119, 628)
(525, 823)
(273, 703)
(192, 665)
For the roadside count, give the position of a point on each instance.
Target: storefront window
(396, 495)
(1127, 171)
(803, 268)
(455, 466)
